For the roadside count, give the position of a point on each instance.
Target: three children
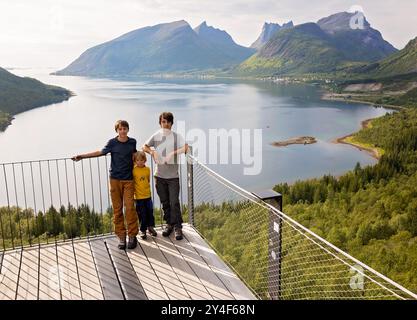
(130, 181)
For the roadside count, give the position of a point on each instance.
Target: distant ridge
(326, 46)
(166, 47)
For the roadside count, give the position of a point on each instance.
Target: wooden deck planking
(90, 283)
(207, 277)
(70, 285)
(185, 274)
(107, 275)
(159, 268)
(9, 274)
(49, 286)
(168, 278)
(146, 274)
(28, 279)
(128, 278)
(236, 287)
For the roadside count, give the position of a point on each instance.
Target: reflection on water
(85, 122)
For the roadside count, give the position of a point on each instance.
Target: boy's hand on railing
(76, 158)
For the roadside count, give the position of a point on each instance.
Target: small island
(297, 140)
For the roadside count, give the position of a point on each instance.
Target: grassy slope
(299, 50)
(401, 62)
(19, 94)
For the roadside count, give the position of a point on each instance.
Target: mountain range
(326, 46)
(166, 47)
(333, 46)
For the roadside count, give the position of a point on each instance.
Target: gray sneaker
(122, 243)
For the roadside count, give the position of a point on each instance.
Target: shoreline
(336, 97)
(373, 152)
(6, 124)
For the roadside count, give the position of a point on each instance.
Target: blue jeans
(144, 209)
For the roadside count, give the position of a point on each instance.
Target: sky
(53, 33)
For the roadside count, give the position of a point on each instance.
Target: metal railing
(274, 255)
(57, 199)
(53, 200)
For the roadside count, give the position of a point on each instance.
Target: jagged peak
(268, 30)
(267, 24)
(205, 26)
(412, 43)
(289, 24)
(343, 21)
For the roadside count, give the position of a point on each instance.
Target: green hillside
(164, 48)
(19, 94)
(302, 49)
(401, 62)
(328, 48)
(391, 81)
(370, 212)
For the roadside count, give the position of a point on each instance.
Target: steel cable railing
(245, 231)
(48, 201)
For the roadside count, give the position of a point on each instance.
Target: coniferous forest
(369, 212)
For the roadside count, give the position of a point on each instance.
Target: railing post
(190, 187)
(274, 243)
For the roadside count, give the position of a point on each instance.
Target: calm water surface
(85, 122)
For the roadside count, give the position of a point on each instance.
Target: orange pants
(122, 192)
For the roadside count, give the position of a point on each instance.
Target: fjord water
(282, 111)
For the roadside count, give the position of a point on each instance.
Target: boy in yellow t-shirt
(143, 200)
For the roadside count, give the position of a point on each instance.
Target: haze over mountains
(222, 41)
(328, 46)
(322, 47)
(268, 30)
(367, 43)
(166, 47)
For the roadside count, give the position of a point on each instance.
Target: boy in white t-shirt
(167, 146)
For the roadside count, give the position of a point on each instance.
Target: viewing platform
(95, 269)
(56, 243)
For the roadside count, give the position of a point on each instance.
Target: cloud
(63, 29)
